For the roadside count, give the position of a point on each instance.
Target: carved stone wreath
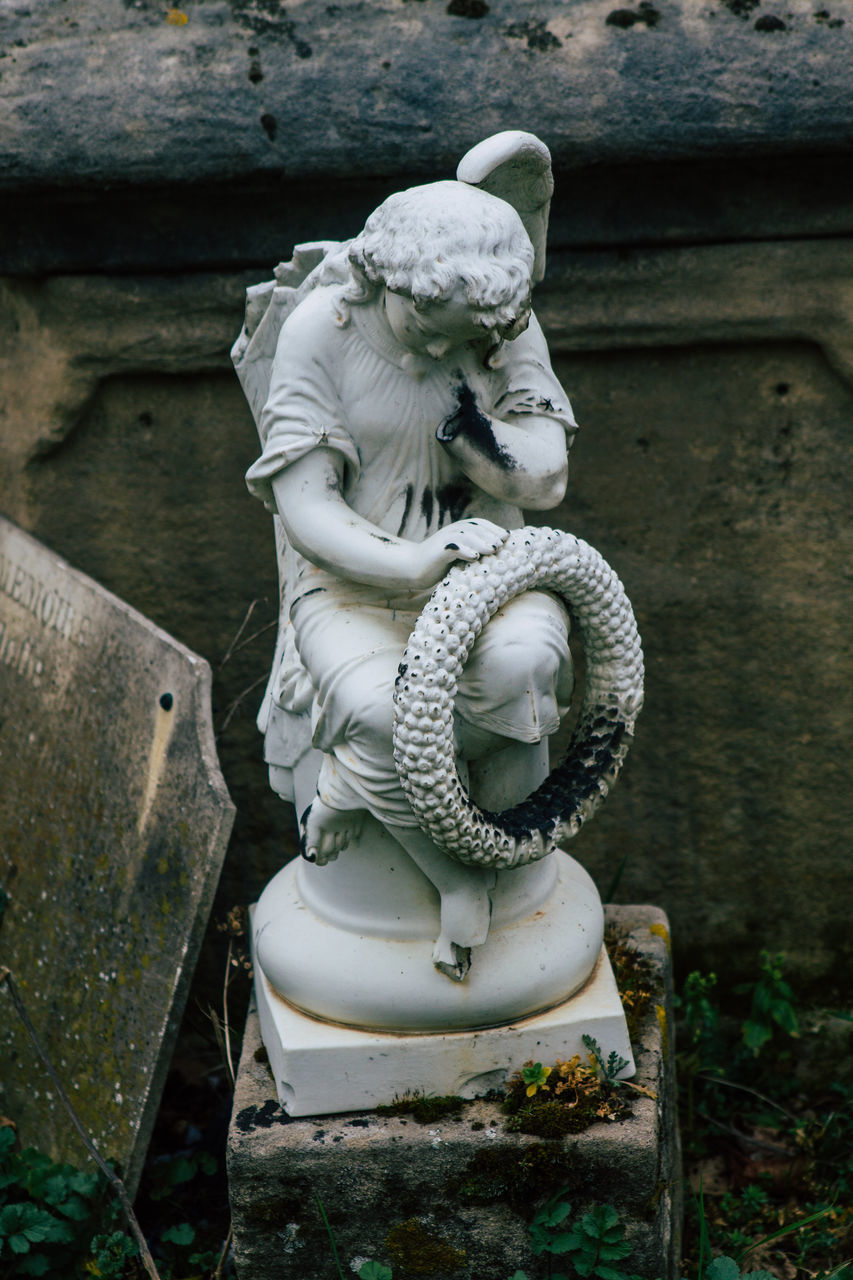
(438, 648)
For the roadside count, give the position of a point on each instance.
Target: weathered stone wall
(699, 303)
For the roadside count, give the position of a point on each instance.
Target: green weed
(724, 1268)
(787, 1145)
(535, 1077)
(550, 1102)
(591, 1248)
(54, 1219)
(608, 1070)
(63, 1223)
(771, 1005)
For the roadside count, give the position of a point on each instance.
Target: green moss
(520, 1176)
(423, 1109)
(546, 1120)
(419, 1252)
(571, 1097)
(636, 980)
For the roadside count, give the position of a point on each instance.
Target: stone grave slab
(114, 819)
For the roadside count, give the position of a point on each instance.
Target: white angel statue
(408, 414)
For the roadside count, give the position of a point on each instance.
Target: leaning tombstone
(435, 935)
(114, 819)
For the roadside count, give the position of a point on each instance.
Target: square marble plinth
(461, 1189)
(322, 1068)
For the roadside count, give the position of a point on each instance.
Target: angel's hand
(463, 540)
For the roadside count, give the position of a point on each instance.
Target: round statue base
(352, 942)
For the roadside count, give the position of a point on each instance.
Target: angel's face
(439, 327)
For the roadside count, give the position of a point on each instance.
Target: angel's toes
(450, 959)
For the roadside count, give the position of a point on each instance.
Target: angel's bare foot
(464, 902)
(451, 959)
(465, 913)
(326, 832)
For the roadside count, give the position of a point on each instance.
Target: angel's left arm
(517, 451)
(521, 459)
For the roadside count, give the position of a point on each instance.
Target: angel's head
(442, 249)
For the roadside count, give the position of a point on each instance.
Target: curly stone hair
(424, 241)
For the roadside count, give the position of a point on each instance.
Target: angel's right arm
(325, 530)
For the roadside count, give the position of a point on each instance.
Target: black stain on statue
(569, 794)
(410, 493)
(453, 500)
(476, 427)
(427, 504)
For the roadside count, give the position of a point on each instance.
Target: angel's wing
(516, 167)
(269, 304)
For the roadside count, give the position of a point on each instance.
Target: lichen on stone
(420, 1252)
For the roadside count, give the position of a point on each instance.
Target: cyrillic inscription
(20, 654)
(45, 604)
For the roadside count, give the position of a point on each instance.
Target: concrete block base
(458, 1194)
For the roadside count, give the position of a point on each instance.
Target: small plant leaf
(564, 1242)
(26, 1224)
(535, 1077)
(553, 1213)
(111, 1253)
(183, 1234)
(35, 1264)
(183, 1170)
(756, 1035)
(74, 1208)
(722, 1268)
(373, 1270)
(59, 1232)
(612, 1252)
(84, 1184)
(538, 1240)
(55, 1189)
(601, 1222)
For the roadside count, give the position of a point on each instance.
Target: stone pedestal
(367, 1017)
(454, 1187)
